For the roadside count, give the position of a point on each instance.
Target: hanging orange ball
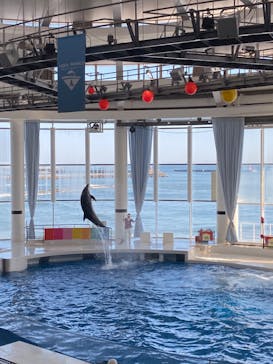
(104, 104)
(148, 96)
(90, 90)
(191, 88)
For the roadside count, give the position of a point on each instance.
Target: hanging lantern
(191, 87)
(104, 104)
(229, 96)
(91, 90)
(148, 96)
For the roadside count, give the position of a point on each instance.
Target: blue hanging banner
(71, 73)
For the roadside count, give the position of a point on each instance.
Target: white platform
(240, 255)
(23, 353)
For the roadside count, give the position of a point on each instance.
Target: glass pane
(147, 215)
(250, 171)
(268, 146)
(203, 146)
(268, 183)
(172, 183)
(5, 220)
(250, 181)
(268, 168)
(203, 216)
(5, 183)
(44, 183)
(268, 220)
(174, 217)
(102, 182)
(70, 181)
(102, 149)
(5, 146)
(70, 146)
(249, 222)
(251, 147)
(172, 156)
(202, 176)
(204, 163)
(44, 146)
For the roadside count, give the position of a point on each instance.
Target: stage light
(91, 90)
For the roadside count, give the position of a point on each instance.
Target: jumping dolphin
(86, 203)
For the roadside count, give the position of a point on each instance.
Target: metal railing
(251, 232)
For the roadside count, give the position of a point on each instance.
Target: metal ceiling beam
(131, 51)
(198, 59)
(21, 81)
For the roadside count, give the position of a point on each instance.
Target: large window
(249, 209)
(174, 211)
(5, 181)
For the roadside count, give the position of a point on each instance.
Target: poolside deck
(34, 252)
(20, 352)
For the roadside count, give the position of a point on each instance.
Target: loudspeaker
(49, 48)
(227, 28)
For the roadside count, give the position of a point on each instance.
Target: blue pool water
(143, 312)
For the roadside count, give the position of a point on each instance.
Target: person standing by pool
(128, 228)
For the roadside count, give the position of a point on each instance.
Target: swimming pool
(143, 312)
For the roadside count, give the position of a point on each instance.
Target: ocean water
(171, 213)
(143, 312)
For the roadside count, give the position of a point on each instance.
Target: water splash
(103, 233)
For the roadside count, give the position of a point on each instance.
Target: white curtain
(229, 135)
(32, 152)
(140, 143)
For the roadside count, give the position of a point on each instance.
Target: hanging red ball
(104, 104)
(148, 96)
(91, 90)
(191, 88)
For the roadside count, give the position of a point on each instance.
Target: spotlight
(111, 40)
(132, 129)
(126, 86)
(208, 21)
(177, 75)
(49, 48)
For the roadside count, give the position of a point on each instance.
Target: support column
(156, 179)
(18, 261)
(121, 184)
(53, 171)
(189, 179)
(222, 219)
(87, 156)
